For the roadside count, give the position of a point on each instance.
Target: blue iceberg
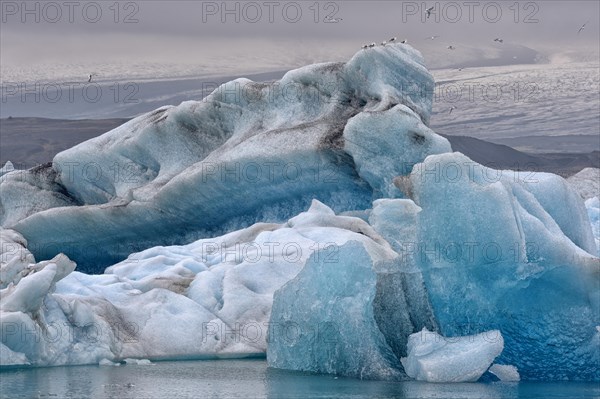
(316, 220)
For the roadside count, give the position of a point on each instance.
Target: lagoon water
(250, 379)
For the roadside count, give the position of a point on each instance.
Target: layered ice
(423, 238)
(593, 210)
(434, 358)
(26, 192)
(509, 251)
(586, 183)
(323, 320)
(211, 298)
(8, 167)
(505, 372)
(248, 152)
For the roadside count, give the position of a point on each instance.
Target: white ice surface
(434, 358)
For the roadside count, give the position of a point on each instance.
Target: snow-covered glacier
(347, 235)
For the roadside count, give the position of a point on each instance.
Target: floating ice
(323, 320)
(106, 362)
(10, 358)
(586, 182)
(247, 152)
(26, 192)
(505, 373)
(499, 250)
(138, 362)
(447, 245)
(434, 358)
(8, 167)
(593, 210)
(211, 298)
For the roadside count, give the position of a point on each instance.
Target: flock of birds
(428, 12)
(393, 39)
(383, 43)
(450, 47)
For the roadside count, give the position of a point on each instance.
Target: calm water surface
(249, 379)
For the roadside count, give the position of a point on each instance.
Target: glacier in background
(401, 236)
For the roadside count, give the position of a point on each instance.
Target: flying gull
(428, 11)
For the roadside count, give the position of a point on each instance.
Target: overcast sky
(204, 38)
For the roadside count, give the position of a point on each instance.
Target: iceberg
(505, 373)
(586, 182)
(211, 298)
(26, 192)
(248, 152)
(8, 167)
(434, 358)
(499, 251)
(10, 358)
(183, 234)
(323, 320)
(106, 362)
(593, 209)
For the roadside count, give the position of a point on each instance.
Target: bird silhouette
(428, 11)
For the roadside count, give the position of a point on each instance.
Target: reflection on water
(249, 379)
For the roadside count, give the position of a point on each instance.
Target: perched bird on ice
(372, 45)
(451, 109)
(428, 11)
(582, 27)
(383, 43)
(404, 41)
(365, 46)
(90, 79)
(451, 47)
(499, 40)
(393, 39)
